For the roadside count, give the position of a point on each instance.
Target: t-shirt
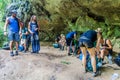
(24, 30)
(70, 34)
(91, 35)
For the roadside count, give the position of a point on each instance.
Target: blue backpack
(21, 48)
(88, 62)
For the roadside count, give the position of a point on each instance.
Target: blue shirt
(70, 35)
(91, 35)
(13, 25)
(33, 26)
(24, 30)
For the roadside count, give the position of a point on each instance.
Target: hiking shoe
(24, 51)
(32, 52)
(37, 52)
(69, 54)
(95, 74)
(16, 53)
(11, 54)
(85, 71)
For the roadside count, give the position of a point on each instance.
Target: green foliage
(117, 32)
(3, 4)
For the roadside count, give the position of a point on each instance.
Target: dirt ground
(49, 64)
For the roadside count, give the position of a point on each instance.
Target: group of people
(91, 42)
(19, 34)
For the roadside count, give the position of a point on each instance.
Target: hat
(14, 11)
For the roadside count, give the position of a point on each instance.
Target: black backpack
(117, 60)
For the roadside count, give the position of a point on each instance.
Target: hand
(104, 47)
(32, 33)
(5, 33)
(20, 33)
(36, 29)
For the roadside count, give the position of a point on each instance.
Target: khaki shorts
(23, 41)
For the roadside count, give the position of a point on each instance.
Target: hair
(99, 34)
(31, 19)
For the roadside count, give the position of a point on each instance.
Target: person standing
(13, 24)
(34, 31)
(86, 43)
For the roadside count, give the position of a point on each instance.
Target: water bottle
(99, 64)
(115, 76)
(110, 59)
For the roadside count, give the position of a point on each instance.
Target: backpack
(88, 62)
(117, 60)
(6, 46)
(21, 48)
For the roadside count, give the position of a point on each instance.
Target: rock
(116, 46)
(61, 16)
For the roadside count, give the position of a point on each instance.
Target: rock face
(56, 15)
(61, 16)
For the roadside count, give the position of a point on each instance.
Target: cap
(14, 11)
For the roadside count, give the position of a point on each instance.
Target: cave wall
(55, 15)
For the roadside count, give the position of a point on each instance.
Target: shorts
(14, 36)
(86, 43)
(23, 41)
(69, 42)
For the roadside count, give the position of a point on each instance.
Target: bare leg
(68, 49)
(104, 52)
(25, 46)
(16, 46)
(11, 46)
(93, 60)
(83, 49)
(73, 49)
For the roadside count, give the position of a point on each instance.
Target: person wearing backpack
(13, 25)
(86, 43)
(34, 31)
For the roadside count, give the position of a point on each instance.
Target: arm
(5, 26)
(26, 31)
(38, 28)
(108, 42)
(98, 45)
(29, 28)
(75, 36)
(21, 25)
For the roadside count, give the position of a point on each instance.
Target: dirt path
(50, 64)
